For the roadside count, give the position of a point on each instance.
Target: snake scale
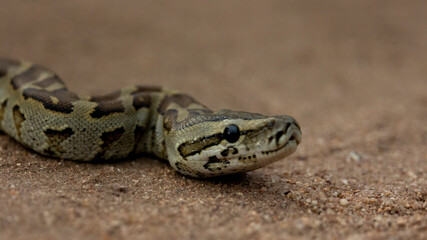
(38, 111)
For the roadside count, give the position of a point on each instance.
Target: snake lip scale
(38, 111)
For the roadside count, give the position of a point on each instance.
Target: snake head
(227, 142)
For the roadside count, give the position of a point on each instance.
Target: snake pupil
(231, 133)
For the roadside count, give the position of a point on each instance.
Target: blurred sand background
(353, 73)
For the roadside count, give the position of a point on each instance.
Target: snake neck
(170, 112)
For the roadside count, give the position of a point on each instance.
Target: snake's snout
(287, 129)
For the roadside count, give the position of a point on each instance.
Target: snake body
(38, 111)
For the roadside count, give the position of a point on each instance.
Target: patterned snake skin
(37, 110)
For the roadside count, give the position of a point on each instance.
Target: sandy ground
(352, 72)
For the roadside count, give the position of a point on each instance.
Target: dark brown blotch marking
(107, 104)
(183, 100)
(108, 139)
(107, 97)
(142, 96)
(5, 64)
(138, 133)
(27, 76)
(64, 97)
(18, 118)
(111, 103)
(141, 100)
(116, 94)
(140, 89)
(59, 135)
(169, 119)
(210, 165)
(197, 111)
(196, 146)
(231, 150)
(45, 83)
(55, 139)
(171, 115)
(107, 107)
(225, 152)
(214, 159)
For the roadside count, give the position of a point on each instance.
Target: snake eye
(231, 133)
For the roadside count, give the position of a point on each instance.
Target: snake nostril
(287, 126)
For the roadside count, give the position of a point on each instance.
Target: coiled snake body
(37, 110)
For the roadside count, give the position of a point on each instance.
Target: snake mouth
(288, 144)
(279, 148)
